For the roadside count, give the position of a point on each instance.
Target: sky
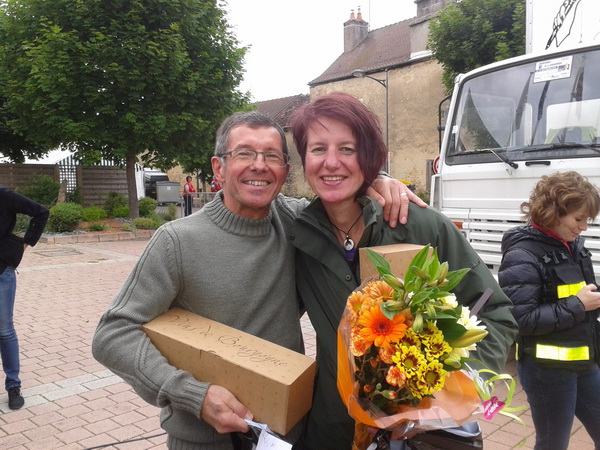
(293, 42)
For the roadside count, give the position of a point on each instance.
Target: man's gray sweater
(231, 269)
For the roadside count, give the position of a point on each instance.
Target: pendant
(348, 244)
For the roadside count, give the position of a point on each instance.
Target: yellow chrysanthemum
(411, 338)
(409, 360)
(380, 330)
(429, 329)
(379, 290)
(431, 379)
(436, 347)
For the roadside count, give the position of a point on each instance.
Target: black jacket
(533, 266)
(11, 246)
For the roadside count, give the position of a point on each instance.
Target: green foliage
(122, 80)
(121, 211)
(98, 227)
(172, 210)
(22, 223)
(75, 197)
(424, 195)
(42, 189)
(128, 227)
(65, 217)
(473, 33)
(114, 201)
(94, 213)
(426, 281)
(146, 223)
(146, 206)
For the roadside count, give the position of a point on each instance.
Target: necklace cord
(348, 243)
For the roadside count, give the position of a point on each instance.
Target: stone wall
(415, 92)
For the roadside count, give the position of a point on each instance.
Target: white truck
(513, 121)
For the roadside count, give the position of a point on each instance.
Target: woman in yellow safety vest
(548, 274)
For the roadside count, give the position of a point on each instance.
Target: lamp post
(358, 73)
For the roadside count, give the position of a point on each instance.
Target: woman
(12, 248)
(342, 149)
(547, 273)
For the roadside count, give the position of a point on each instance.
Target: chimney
(355, 30)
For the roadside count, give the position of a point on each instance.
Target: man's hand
(222, 411)
(393, 196)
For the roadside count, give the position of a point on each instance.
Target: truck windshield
(546, 108)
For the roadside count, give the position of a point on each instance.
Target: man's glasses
(272, 159)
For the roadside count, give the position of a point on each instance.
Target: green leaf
(378, 261)
(434, 265)
(455, 277)
(450, 329)
(418, 261)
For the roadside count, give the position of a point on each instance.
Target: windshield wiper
(555, 146)
(505, 159)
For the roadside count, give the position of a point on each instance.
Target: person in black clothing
(12, 248)
(548, 274)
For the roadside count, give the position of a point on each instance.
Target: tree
(473, 33)
(126, 80)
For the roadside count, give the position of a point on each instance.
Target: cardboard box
(274, 383)
(398, 255)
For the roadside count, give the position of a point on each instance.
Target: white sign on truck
(553, 24)
(513, 121)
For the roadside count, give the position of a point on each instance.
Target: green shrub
(22, 223)
(146, 206)
(121, 211)
(145, 223)
(128, 227)
(94, 213)
(42, 189)
(75, 197)
(65, 217)
(424, 196)
(114, 201)
(172, 210)
(98, 227)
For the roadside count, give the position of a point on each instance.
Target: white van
(509, 123)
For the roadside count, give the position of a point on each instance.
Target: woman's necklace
(348, 242)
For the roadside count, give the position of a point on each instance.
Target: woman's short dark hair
(559, 194)
(188, 178)
(371, 148)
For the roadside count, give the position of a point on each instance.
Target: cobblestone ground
(71, 401)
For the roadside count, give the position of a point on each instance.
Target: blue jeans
(9, 345)
(555, 396)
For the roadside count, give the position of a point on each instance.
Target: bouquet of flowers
(403, 346)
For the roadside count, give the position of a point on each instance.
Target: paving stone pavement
(73, 402)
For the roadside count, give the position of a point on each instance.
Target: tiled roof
(382, 48)
(280, 109)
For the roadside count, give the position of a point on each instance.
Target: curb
(96, 237)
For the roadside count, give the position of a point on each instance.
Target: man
(247, 282)
(12, 248)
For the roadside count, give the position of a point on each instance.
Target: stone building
(391, 71)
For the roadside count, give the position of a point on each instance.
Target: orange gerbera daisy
(379, 329)
(379, 290)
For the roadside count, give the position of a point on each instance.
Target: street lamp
(358, 73)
